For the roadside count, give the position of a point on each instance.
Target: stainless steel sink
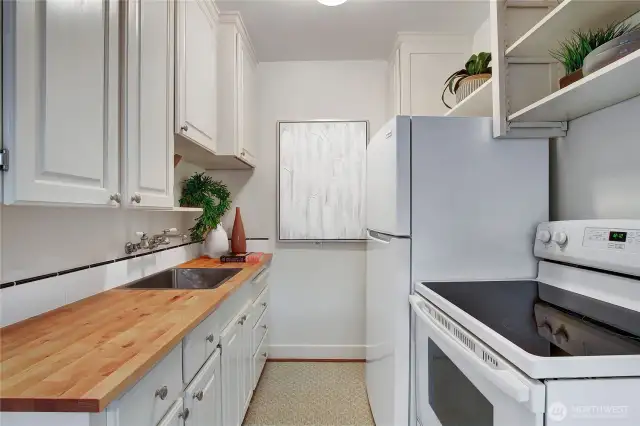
(188, 279)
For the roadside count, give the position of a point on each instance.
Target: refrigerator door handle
(377, 237)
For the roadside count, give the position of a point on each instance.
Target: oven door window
(453, 398)
(445, 397)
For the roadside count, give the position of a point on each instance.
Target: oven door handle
(503, 379)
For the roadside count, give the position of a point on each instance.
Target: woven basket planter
(469, 85)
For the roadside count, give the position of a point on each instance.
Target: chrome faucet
(152, 243)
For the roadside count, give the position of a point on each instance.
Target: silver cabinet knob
(115, 197)
(210, 338)
(264, 326)
(264, 304)
(184, 414)
(162, 392)
(198, 395)
(184, 127)
(264, 354)
(136, 198)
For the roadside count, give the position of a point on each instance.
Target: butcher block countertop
(82, 356)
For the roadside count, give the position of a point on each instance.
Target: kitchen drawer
(260, 305)
(235, 303)
(259, 330)
(259, 283)
(260, 358)
(148, 400)
(199, 345)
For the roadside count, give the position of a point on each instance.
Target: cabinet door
(196, 94)
(61, 101)
(247, 359)
(203, 396)
(247, 102)
(148, 153)
(393, 89)
(232, 370)
(175, 416)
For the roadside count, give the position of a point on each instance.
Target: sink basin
(188, 279)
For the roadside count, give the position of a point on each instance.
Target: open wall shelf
(608, 86)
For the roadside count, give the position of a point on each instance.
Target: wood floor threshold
(315, 360)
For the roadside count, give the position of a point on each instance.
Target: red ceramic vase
(238, 237)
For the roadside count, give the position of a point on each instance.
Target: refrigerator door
(388, 328)
(389, 179)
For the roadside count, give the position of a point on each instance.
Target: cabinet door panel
(427, 68)
(247, 359)
(148, 155)
(247, 101)
(197, 74)
(61, 72)
(203, 396)
(232, 380)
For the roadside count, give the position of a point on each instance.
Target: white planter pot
(470, 85)
(216, 243)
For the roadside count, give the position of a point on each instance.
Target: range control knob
(560, 238)
(544, 236)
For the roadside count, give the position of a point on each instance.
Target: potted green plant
(214, 198)
(474, 74)
(573, 51)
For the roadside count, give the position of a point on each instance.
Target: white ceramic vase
(216, 243)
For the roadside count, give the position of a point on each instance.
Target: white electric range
(562, 349)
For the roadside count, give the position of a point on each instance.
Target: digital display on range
(618, 236)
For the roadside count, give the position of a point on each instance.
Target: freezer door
(388, 328)
(389, 178)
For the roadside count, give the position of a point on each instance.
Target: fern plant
(477, 64)
(572, 52)
(212, 196)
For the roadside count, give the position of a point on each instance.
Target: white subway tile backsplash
(26, 300)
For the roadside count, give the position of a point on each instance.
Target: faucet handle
(141, 234)
(170, 230)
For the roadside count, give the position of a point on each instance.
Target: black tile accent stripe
(93, 265)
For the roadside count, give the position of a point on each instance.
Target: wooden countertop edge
(96, 405)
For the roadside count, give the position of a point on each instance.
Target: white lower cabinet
(146, 403)
(232, 370)
(203, 397)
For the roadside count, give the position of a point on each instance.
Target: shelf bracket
(544, 129)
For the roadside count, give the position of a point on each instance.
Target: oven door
(461, 381)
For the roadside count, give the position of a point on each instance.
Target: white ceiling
(303, 30)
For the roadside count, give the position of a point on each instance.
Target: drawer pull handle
(264, 354)
(184, 414)
(242, 319)
(198, 395)
(264, 304)
(210, 338)
(162, 392)
(264, 326)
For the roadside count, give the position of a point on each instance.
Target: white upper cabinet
(418, 68)
(61, 101)
(238, 96)
(148, 104)
(196, 68)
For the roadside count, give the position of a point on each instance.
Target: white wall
(595, 169)
(482, 38)
(317, 291)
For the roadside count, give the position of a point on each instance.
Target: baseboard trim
(314, 360)
(318, 352)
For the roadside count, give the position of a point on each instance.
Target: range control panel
(612, 245)
(612, 239)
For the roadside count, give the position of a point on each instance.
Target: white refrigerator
(445, 201)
